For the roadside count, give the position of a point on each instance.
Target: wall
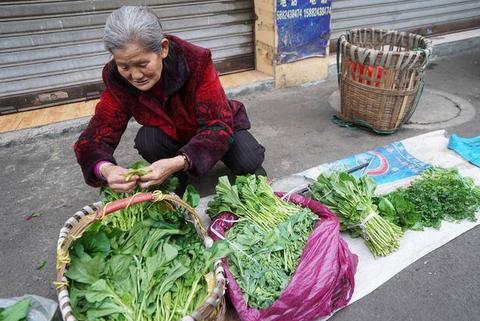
(266, 42)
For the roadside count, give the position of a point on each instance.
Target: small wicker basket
(380, 77)
(213, 309)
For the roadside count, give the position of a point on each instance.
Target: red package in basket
(359, 69)
(323, 281)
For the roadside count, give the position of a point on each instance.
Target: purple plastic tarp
(324, 279)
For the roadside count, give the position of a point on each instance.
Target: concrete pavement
(41, 175)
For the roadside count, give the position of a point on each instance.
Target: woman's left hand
(161, 170)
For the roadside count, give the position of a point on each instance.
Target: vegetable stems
(352, 200)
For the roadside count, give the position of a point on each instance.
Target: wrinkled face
(140, 66)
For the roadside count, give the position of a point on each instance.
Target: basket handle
(109, 208)
(156, 196)
(338, 59)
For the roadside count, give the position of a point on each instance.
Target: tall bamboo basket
(380, 76)
(213, 309)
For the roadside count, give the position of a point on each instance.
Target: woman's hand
(115, 176)
(161, 170)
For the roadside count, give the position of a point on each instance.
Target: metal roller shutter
(415, 15)
(51, 51)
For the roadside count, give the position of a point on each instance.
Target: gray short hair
(133, 24)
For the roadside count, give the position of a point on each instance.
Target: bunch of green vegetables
(268, 240)
(251, 198)
(262, 261)
(124, 219)
(438, 194)
(151, 268)
(352, 200)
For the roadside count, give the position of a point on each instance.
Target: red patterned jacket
(188, 104)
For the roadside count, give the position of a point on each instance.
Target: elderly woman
(170, 87)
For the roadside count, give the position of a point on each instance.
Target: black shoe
(260, 171)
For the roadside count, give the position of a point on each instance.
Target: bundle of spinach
(158, 269)
(268, 240)
(438, 194)
(397, 209)
(352, 200)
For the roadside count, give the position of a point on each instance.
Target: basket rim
(97, 211)
(346, 47)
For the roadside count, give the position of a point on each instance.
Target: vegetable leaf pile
(267, 242)
(438, 194)
(146, 265)
(267, 260)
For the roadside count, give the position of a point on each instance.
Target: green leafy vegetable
(16, 312)
(267, 242)
(399, 211)
(41, 264)
(146, 265)
(126, 218)
(252, 198)
(264, 262)
(191, 196)
(136, 169)
(352, 200)
(33, 215)
(438, 194)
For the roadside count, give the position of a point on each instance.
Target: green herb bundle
(438, 194)
(352, 200)
(157, 269)
(268, 240)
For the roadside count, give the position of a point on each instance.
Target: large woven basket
(214, 306)
(380, 76)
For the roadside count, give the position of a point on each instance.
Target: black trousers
(245, 155)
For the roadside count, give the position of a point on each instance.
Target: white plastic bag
(41, 309)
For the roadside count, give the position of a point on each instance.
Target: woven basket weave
(213, 309)
(380, 76)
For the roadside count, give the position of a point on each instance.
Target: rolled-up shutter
(52, 51)
(424, 16)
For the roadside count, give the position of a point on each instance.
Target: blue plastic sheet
(468, 148)
(384, 164)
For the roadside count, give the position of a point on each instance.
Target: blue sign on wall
(303, 29)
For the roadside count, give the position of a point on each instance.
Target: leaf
(16, 312)
(137, 165)
(191, 196)
(33, 215)
(117, 266)
(99, 291)
(218, 250)
(387, 210)
(106, 309)
(95, 243)
(169, 252)
(41, 264)
(87, 270)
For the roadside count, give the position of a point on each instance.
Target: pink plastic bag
(324, 279)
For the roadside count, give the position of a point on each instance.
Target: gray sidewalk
(41, 175)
